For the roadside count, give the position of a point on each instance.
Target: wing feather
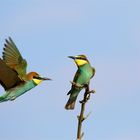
(93, 69)
(13, 58)
(8, 77)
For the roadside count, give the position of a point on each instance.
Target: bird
(13, 76)
(81, 79)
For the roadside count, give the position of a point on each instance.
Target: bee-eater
(81, 79)
(13, 75)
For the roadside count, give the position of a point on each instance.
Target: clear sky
(46, 32)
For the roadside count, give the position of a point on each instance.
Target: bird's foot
(76, 85)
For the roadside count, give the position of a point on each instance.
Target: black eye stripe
(81, 58)
(36, 77)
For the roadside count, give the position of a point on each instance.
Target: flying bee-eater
(13, 75)
(81, 79)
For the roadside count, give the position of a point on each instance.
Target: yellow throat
(80, 62)
(37, 81)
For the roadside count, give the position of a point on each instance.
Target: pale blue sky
(46, 32)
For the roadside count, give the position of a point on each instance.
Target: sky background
(46, 32)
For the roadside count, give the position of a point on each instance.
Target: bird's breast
(19, 90)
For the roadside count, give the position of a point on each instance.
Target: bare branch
(81, 117)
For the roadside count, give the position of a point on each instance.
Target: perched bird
(81, 79)
(13, 75)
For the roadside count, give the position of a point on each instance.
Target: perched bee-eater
(81, 79)
(13, 75)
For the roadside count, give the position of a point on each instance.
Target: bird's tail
(72, 99)
(1, 99)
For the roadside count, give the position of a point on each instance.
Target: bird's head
(36, 77)
(80, 60)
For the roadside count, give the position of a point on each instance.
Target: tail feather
(72, 99)
(70, 104)
(2, 99)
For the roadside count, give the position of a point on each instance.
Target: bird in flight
(13, 76)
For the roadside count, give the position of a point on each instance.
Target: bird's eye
(82, 58)
(35, 77)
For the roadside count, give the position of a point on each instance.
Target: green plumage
(14, 59)
(13, 75)
(17, 91)
(82, 77)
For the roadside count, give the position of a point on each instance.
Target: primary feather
(13, 58)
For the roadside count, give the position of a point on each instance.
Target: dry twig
(81, 117)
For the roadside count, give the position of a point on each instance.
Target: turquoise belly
(17, 91)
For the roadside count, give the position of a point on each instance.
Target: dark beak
(43, 78)
(72, 57)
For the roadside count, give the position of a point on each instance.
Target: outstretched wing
(13, 58)
(8, 77)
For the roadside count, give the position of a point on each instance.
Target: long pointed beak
(44, 78)
(72, 57)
